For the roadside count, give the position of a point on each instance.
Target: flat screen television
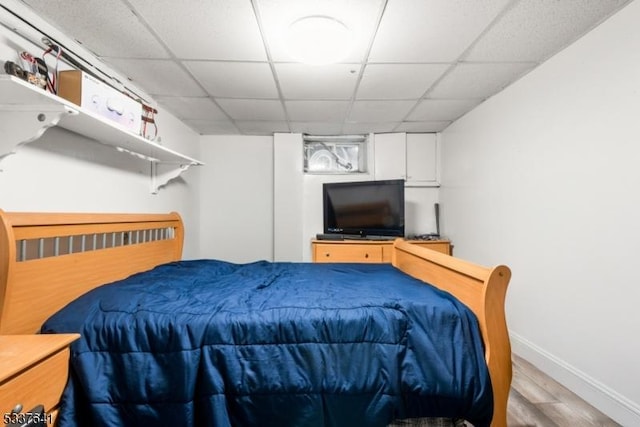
(364, 209)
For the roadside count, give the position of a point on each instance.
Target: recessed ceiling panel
(234, 79)
(431, 30)
(427, 63)
(421, 127)
(369, 127)
(157, 77)
(478, 80)
(213, 127)
(534, 30)
(441, 109)
(317, 111)
(398, 81)
(360, 16)
(205, 29)
(252, 109)
(107, 28)
(251, 127)
(317, 128)
(300, 81)
(192, 108)
(382, 111)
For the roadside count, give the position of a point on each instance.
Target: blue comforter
(210, 343)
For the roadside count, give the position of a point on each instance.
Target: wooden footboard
(481, 289)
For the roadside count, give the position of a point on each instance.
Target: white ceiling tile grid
(222, 66)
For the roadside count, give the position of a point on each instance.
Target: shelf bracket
(25, 124)
(163, 173)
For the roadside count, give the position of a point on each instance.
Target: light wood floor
(537, 400)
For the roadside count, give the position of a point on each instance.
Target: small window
(335, 154)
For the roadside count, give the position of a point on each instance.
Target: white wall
(236, 207)
(287, 197)
(544, 177)
(64, 172)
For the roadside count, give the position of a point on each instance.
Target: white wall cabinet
(412, 157)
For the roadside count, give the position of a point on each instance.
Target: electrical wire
(52, 83)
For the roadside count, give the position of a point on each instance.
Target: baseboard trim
(605, 399)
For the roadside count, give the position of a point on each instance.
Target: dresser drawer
(347, 253)
(40, 384)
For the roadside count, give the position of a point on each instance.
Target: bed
(50, 261)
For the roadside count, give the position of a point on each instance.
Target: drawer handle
(366, 255)
(327, 255)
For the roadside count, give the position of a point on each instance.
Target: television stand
(366, 250)
(379, 238)
(353, 237)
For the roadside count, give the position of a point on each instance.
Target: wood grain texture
(481, 289)
(33, 370)
(366, 250)
(32, 290)
(536, 400)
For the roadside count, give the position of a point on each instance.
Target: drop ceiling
(417, 65)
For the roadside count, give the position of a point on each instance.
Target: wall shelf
(28, 111)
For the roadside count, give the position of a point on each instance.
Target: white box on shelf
(93, 95)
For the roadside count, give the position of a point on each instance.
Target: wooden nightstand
(33, 371)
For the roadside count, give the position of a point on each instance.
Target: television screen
(368, 208)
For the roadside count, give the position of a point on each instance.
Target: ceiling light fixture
(319, 40)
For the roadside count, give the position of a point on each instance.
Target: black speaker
(436, 206)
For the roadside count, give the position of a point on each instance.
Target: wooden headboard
(49, 259)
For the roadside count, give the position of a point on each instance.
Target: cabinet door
(390, 156)
(421, 159)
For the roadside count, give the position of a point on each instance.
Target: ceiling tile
(382, 111)
(212, 127)
(317, 111)
(300, 81)
(205, 29)
(441, 109)
(235, 79)
(428, 63)
(431, 30)
(251, 127)
(534, 30)
(398, 81)
(192, 108)
(360, 16)
(435, 126)
(317, 128)
(107, 28)
(369, 127)
(157, 77)
(478, 80)
(252, 109)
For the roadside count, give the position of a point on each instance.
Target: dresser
(366, 250)
(33, 372)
